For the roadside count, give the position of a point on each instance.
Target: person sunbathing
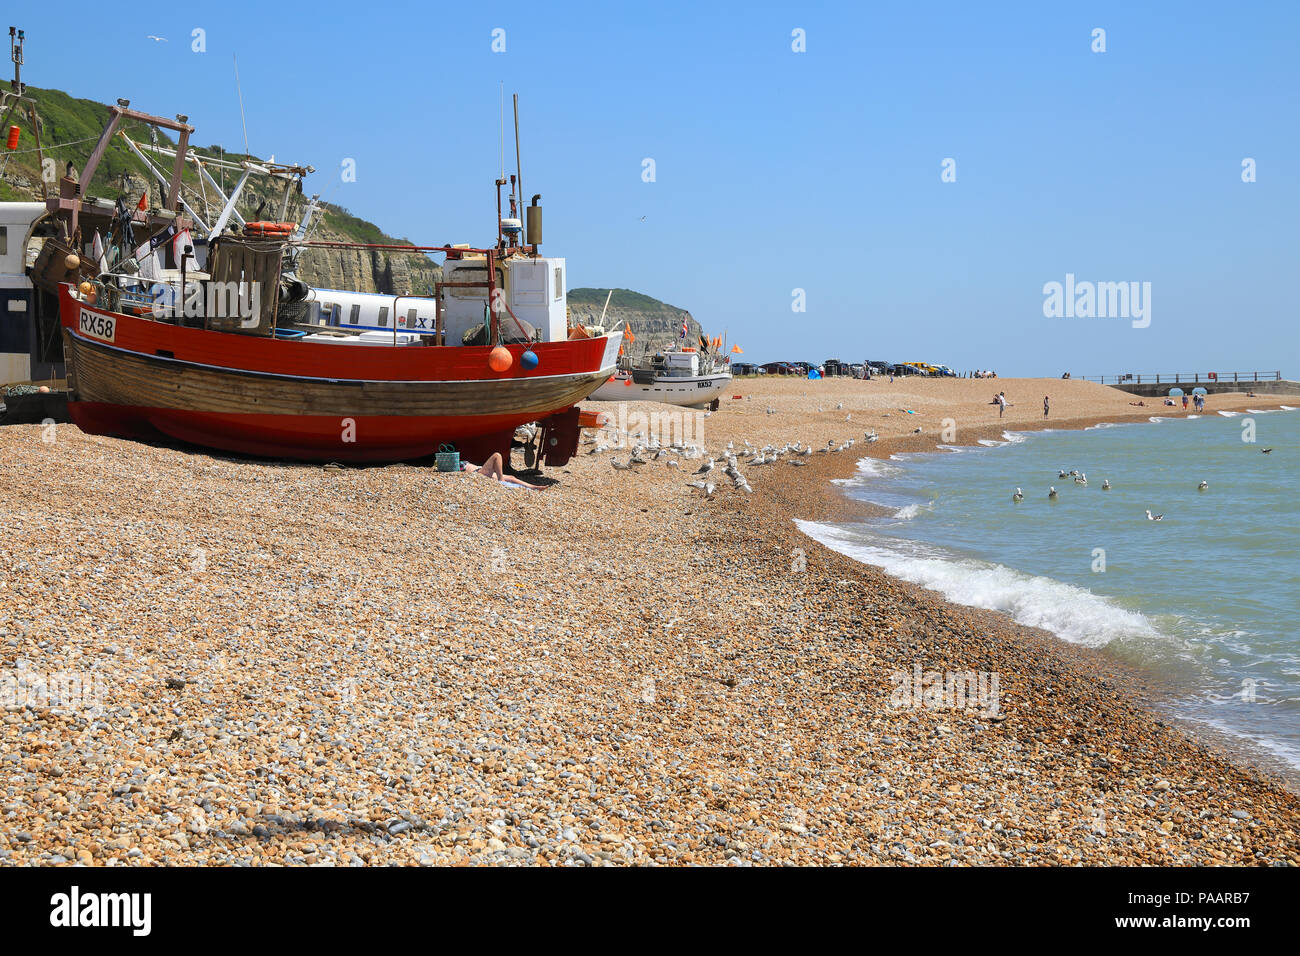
(494, 469)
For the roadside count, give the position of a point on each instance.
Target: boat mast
(11, 101)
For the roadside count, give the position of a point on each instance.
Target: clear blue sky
(778, 170)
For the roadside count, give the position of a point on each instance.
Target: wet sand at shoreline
(391, 665)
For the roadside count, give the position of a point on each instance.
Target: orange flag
(627, 334)
(143, 204)
(737, 350)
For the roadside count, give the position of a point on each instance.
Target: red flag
(143, 204)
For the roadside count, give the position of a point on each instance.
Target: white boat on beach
(674, 376)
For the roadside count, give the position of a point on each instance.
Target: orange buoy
(14, 131)
(500, 359)
(85, 288)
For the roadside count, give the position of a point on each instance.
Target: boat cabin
(533, 292)
(31, 348)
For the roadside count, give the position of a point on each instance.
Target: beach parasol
(1175, 393)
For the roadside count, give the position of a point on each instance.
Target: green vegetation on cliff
(70, 127)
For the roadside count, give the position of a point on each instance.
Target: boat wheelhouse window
(383, 315)
(410, 318)
(354, 318)
(559, 282)
(4, 240)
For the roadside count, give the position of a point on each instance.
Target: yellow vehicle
(932, 369)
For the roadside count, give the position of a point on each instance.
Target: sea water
(1206, 598)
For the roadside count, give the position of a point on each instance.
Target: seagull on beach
(871, 436)
(1018, 496)
(1151, 517)
(1052, 492)
(1203, 486)
(705, 468)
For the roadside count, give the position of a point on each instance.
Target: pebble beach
(221, 661)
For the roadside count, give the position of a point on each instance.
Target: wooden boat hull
(311, 401)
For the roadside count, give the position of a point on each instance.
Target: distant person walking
(1184, 403)
(1047, 405)
(1002, 404)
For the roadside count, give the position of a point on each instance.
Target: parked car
(905, 369)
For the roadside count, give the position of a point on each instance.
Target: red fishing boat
(135, 377)
(214, 340)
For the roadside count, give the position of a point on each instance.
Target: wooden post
(178, 169)
(494, 323)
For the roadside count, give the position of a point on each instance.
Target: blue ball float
(528, 360)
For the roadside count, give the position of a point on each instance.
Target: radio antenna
(518, 169)
(242, 121)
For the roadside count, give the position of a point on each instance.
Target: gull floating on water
(1018, 496)
(1203, 486)
(1105, 484)
(1051, 492)
(1151, 517)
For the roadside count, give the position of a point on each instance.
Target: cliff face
(655, 324)
(366, 270)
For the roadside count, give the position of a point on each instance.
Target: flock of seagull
(646, 450)
(1082, 479)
